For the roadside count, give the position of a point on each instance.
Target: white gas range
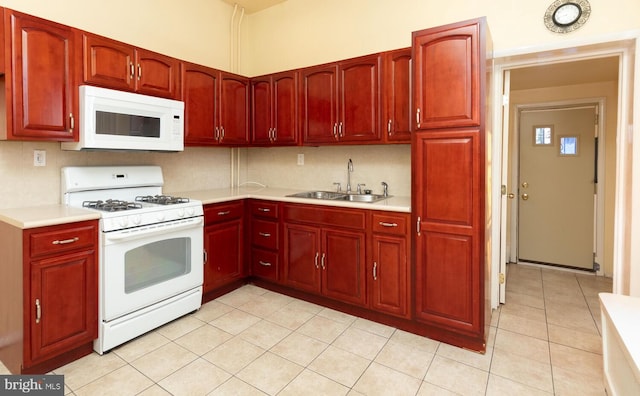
(151, 248)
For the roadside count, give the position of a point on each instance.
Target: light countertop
(40, 216)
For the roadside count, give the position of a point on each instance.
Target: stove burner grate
(161, 199)
(111, 205)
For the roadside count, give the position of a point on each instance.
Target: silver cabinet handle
(264, 263)
(65, 241)
(382, 223)
(389, 127)
(315, 260)
(322, 261)
(418, 117)
(375, 271)
(216, 133)
(264, 234)
(221, 133)
(275, 134)
(264, 210)
(418, 225)
(205, 257)
(139, 72)
(132, 70)
(72, 122)
(224, 213)
(38, 311)
(340, 129)
(335, 130)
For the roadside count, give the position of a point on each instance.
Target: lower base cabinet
(53, 271)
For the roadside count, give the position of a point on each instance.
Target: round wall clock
(564, 16)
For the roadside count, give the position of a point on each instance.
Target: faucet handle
(360, 185)
(338, 186)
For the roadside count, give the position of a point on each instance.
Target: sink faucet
(385, 189)
(349, 171)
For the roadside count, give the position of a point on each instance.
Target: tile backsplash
(23, 184)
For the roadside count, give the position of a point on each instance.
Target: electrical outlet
(39, 158)
(300, 159)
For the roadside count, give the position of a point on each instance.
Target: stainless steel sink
(338, 196)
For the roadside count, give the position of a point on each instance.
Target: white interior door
(505, 188)
(557, 186)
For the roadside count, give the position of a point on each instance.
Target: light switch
(300, 159)
(39, 158)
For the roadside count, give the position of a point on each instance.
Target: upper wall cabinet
(341, 102)
(446, 81)
(216, 106)
(396, 95)
(112, 64)
(40, 85)
(274, 109)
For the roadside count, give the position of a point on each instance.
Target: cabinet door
(447, 76)
(62, 304)
(157, 75)
(397, 96)
(448, 200)
(319, 104)
(343, 265)
(108, 63)
(261, 110)
(359, 114)
(224, 254)
(389, 275)
(285, 105)
(302, 257)
(200, 93)
(42, 104)
(234, 110)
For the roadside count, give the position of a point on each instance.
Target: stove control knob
(180, 212)
(136, 219)
(190, 211)
(123, 221)
(160, 216)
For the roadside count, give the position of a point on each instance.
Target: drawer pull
(264, 263)
(38, 311)
(65, 241)
(264, 210)
(264, 234)
(226, 212)
(384, 224)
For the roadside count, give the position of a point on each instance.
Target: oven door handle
(154, 229)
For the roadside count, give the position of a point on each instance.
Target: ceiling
(567, 73)
(251, 6)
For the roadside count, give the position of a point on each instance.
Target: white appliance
(118, 120)
(151, 248)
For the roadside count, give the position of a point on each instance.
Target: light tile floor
(545, 340)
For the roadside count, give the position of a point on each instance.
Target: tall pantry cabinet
(448, 187)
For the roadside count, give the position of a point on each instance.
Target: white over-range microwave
(118, 120)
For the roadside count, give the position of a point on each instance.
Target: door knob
(511, 195)
(525, 196)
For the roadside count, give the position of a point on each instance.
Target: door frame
(598, 224)
(626, 221)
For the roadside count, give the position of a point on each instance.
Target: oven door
(142, 266)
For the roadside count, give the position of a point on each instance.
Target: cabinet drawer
(264, 234)
(264, 264)
(266, 209)
(218, 213)
(324, 215)
(387, 223)
(58, 239)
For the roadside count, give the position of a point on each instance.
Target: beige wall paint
(297, 33)
(608, 90)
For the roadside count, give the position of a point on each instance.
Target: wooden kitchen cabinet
(340, 102)
(53, 271)
(274, 110)
(448, 186)
(223, 244)
(216, 106)
(389, 280)
(112, 64)
(324, 251)
(396, 94)
(40, 84)
(448, 62)
(265, 239)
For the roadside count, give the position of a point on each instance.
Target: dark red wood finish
(396, 93)
(201, 96)
(274, 109)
